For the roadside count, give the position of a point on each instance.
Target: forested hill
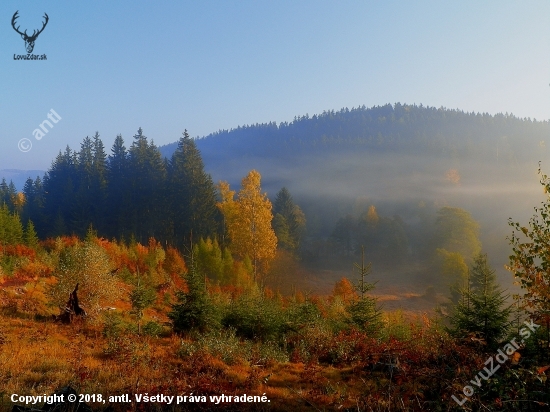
(397, 128)
(395, 157)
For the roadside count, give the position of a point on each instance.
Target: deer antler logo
(29, 40)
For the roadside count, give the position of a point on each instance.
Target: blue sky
(166, 66)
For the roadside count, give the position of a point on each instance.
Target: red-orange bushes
(69, 241)
(118, 253)
(175, 267)
(66, 241)
(19, 251)
(33, 269)
(174, 263)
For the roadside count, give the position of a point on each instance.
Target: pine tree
(81, 216)
(59, 193)
(4, 193)
(147, 180)
(28, 192)
(11, 230)
(12, 198)
(192, 194)
(482, 308)
(98, 184)
(194, 309)
(364, 312)
(31, 238)
(118, 190)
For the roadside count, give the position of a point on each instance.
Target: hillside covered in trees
(375, 177)
(284, 284)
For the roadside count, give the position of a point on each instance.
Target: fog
(334, 184)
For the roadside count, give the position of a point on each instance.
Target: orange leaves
(19, 251)
(174, 263)
(33, 270)
(345, 290)
(248, 221)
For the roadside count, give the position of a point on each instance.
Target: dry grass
(40, 357)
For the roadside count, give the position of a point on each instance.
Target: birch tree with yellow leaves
(248, 222)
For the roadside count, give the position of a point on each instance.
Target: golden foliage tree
(248, 222)
(87, 264)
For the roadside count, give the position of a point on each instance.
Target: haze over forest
(321, 205)
(406, 161)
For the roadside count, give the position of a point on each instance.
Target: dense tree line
(501, 138)
(132, 193)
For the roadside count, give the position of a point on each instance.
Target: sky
(166, 66)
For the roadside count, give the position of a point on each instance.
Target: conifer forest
(130, 271)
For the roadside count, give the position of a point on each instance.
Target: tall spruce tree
(4, 192)
(118, 191)
(98, 184)
(81, 216)
(59, 193)
(147, 180)
(483, 307)
(192, 195)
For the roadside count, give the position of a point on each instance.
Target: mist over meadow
(406, 160)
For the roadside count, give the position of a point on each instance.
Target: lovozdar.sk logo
(29, 40)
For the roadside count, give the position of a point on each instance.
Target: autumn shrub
(255, 317)
(9, 264)
(395, 326)
(112, 324)
(152, 328)
(227, 346)
(88, 265)
(302, 314)
(309, 343)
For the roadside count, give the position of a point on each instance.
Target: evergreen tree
(59, 193)
(482, 308)
(28, 192)
(11, 230)
(147, 180)
(192, 194)
(4, 193)
(13, 202)
(194, 309)
(118, 191)
(364, 312)
(345, 234)
(98, 184)
(81, 216)
(36, 206)
(30, 236)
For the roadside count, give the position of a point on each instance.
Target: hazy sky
(113, 66)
